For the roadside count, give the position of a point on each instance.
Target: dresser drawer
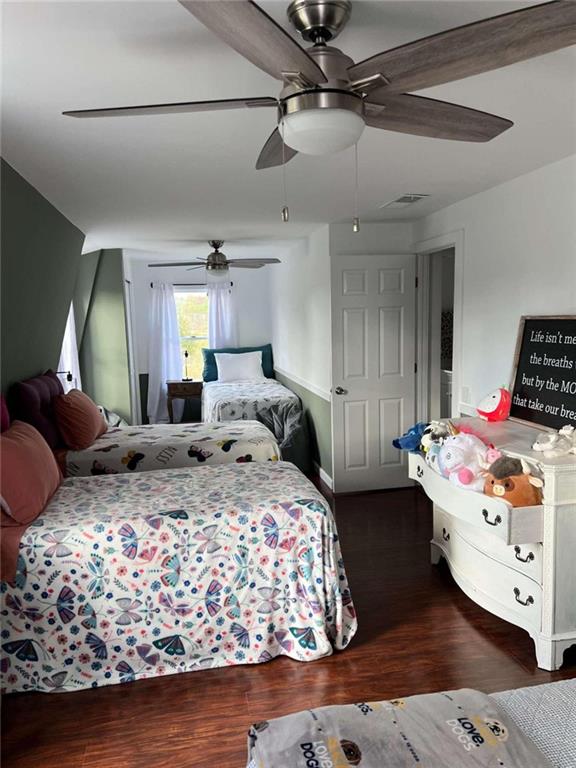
(497, 587)
(513, 525)
(524, 558)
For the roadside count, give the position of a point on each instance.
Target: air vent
(404, 201)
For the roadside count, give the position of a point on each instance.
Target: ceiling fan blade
(438, 119)
(251, 262)
(244, 26)
(176, 108)
(272, 153)
(196, 266)
(252, 265)
(176, 263)
(474, 48)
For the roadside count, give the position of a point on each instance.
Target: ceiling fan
(216, 263)
(327, 99)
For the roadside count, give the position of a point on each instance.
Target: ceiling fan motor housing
(216, 261)
(319, 20)
(334, 94)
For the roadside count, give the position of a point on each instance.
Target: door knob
(340, 391)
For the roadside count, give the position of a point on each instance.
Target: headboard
(4, 415)
(32, 401)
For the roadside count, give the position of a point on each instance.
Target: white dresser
(520, 562)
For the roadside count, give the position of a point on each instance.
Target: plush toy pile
(467, 461)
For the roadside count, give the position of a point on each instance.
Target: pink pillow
(79, 420)
(29, 474)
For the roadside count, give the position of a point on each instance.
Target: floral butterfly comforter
(171, 446)
(132, 576)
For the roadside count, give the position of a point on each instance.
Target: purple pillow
(4, 415)
(32, 401)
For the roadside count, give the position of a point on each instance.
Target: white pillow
(245, 366)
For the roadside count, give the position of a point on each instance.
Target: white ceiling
(145, 181)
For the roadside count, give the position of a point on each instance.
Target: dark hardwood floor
(417, 633)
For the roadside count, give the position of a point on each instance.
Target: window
(69, 365)
(192, 311)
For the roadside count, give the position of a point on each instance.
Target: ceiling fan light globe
(322, 131)
(217, 275)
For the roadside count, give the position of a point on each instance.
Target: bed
(244, 399)
(172, 446)
(141, 448)
(267, 401)
(124, 577)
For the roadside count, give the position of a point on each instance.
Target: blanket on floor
(458, 729)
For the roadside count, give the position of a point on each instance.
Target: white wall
(251, 293)
(519, 259)
(392, 237)
(301, 299)
(300, 313)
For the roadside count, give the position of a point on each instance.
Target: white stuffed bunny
(555, 444)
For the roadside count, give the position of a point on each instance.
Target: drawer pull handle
(497, 519)
(529, 600)
(445, 534)
(419, 472)
(527, 559)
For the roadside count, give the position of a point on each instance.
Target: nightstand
(181, 390)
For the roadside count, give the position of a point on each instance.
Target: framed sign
(543, 384)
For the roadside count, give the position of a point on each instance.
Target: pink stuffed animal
(461, 459)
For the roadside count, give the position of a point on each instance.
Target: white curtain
(164, 353)
(222, 328)
(69, 364)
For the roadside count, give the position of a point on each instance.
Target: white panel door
(373, 376)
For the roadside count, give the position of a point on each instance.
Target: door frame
(423, 249)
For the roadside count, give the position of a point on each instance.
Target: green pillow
(210, 372)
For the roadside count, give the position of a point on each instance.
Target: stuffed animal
(461, 459)
(554, 444)
(495, 406)
(410, 440)
(431, 456)
(511, 481)
(437, 432)
(491, 455)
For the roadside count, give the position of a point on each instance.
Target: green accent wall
(104, 349)
(40, 249)
(318, 412)
(87, 268)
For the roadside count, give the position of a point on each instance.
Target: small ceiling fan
(327, 99)
(216, 263)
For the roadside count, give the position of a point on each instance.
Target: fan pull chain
(285, 209)
(356, 219)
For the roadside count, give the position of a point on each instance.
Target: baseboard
(324, 476)
(323, 393)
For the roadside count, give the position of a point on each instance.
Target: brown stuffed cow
(510, 480)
